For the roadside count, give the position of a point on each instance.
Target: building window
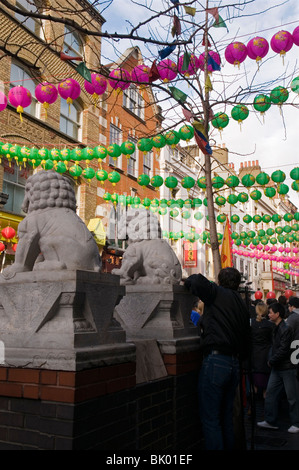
(72, 43)
(70, 119)
(131, 168)
(14, 180)
(147, 163)
(18, 76)
(33, 24)
(133, 101)
(115, 138)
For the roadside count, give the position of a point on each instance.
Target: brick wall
(99, 409)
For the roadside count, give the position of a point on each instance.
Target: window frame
(68, 47)
(76, 124)
(133, 101)
(33, 24)
(14, 184)
(115, 137)
(25, 80)
(147, 170)
(132, 161)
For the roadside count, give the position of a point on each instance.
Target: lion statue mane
(148, 259)
(52, 236)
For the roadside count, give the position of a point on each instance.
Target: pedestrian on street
(283, 373)
(293, 317)
(261, 333)
(225, 341)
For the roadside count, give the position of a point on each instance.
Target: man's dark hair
(271, 301)
(276, 307)
(294, 301)
(282, 299)
(230, 278)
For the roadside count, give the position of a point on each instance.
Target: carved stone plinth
(156, 311)
(62, 320)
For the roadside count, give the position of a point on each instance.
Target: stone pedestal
(159, 313)
(62, 320)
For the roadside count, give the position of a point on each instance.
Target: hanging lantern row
(267, 256)
(191, 236)
(258, 47)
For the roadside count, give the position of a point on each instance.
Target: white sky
(273, 142)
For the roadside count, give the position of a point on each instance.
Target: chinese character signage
(190, 255)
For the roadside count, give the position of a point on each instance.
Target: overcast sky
(272, 141)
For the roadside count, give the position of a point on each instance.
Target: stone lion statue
(148, 259)
(52, 236)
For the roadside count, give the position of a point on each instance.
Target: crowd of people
(236, 341)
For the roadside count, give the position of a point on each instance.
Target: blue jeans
(218, 381)
(279, 380)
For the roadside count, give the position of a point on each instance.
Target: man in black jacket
(283, 373)
(225, 338)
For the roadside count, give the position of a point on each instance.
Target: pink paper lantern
(192, 68)
(69, 90)
(201, 60)
(295, 36)
(287, 249)
(281, 249)
(97, 86)
(236, 53)
(46, 93)
(141, 74)
(295, 249)
(282, 42)
(3, 101)
(20, 98)
(266, 247)
(167, 70)
(257, 48)
(119, 79)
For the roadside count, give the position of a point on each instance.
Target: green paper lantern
(295, 227)
(247, 219)
(279, 230)
(276, 218)
(264, 240)
(281, 238)
(163, 210)
(24, 153)
(196, 202)
(295, 186)
(107, 197)
(76, 155)
(88, 173)
(205, 202)
(145, 145)
(47, 164)
(282, 189)
(155, 202)
(262, 103)
(246, 242)
(114, 151)
(101, 175)
(158, 141)
(114, 198)
(232, 181)
(287, 229)
(174, 213)
(296, 237)
(143, 180)
(136, 200)
(256, 195)
(220, 121)
(61, 167)
(279, 95)
(221, 218)
(255, 241)
(114, 177)
(295, 85)
(146, 202)
(261, 233)
(180, 202)
(243, 235)
(266, 218)
(171, 182)
(234, 218)
(288, 217)
(240, 113)
(248, 180)
(243, 197)
(122, 200)
(201, 182)
(198, 215)
(262, 178)
(257, 219)
(127, 148)
(54, 154)
(188, 203)
(273, 241)
(217, 182)
(232, 199)
(294, 173)
(75, 171)
(172, 138)
(186, 214)
(238, 242)
(157, 181)
(87, 153)
(65, 154)
(251, 234)
(186, 132)
(270, 192)
(220, 201)
(188, 182)
(270, 231)
(234, 235)
(100, 152)
(290, 238)
(163, 202)
(278, 176)
(296, 216)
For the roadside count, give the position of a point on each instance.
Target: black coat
(281, 347)
(225, 322)
(261, 340)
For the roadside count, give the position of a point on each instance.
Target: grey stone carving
(52, 236)
(148, 259)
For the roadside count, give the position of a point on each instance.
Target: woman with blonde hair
(261, 333)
